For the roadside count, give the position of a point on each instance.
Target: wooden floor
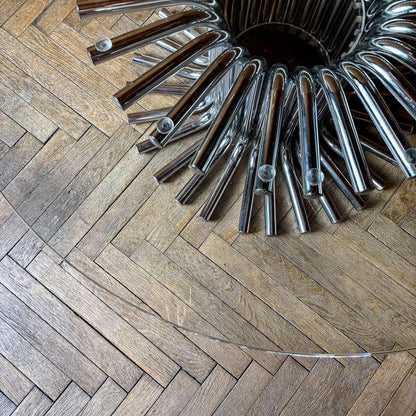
(74, 339)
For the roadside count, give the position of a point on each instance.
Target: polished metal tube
(309, 134)
(270, 213)
(377, 149)
(232, 104)
(187, 104)
(87, 8)
(168, 67)
(341, 181)
(294, 189)
(176, 164)
(346, 131)
(330, 207)
(147, 115)
(269, 147)
(392, 79)
(381, 116)
(152, 32)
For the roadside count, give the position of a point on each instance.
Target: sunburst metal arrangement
(293, 83)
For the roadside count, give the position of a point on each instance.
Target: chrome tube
(87, 8)
(147, 115)
(377, 149)
(242, 85)
(176, 164)
(309, 134)
(341, 181)
(270, 212)
(294, 189)
(392, 79)
(269, 147)
(145, 35)
(346, 131)
(330, 208)
(381, 116)
(186, 105)
(168, 67)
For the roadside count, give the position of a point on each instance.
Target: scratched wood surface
(91, 249)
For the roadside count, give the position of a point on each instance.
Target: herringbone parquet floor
(71, 340)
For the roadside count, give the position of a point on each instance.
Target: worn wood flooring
(77, 331)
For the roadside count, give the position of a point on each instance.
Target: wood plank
(17, 158)
(31, 362)
(175, 397)
(163, 301)
(26, 115)
(8, 8)
(58, 84)
(378, 254)
(6, 406)
(239, 298)
(68, 324)
(409, 224)
(26, 14)
(49, 342)
(10, 233)
(61, 175)
(103, 319)
(404, 400)
(280, 299)
(10, 131)
(245, 392)
(383, 384)
(141, 398)
(311, 293)
(211, 394)
(105, 400)
(70, 403)
(203, 302)
(88, 178)
(171, 341)
(35, 404)
(401, 202)
(52, 15)
(28, 89)
(12, 382)
(319, 380)
(26, 249)
(98, 202)
(280, 389)
(395, 238)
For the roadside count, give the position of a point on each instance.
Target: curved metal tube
(149, 33)
(392, 79)
(381, 115)
(269, 147)
(330, 207)
(187, 104)
(309, 134)
(168, 67)
(88, 8)
(241, 87)
(347, 133)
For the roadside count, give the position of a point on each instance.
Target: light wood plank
(382, 386)
(211, 394)
(12, 382)
(68, 324)
(140, 399)
(31, 362)
(17, 158)
(6, 406)
(35, 404)
(49, 342)
(10, 131)
(401, 202)
(245, 392)
(175, 396)
(26, 249)
(57, 11)
(10, 233)
(70, 403)
(280, 389)
(106, 321)
(105, 400)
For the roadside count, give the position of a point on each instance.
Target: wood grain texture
(86, 317)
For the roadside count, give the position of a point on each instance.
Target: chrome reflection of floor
(293, 84)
